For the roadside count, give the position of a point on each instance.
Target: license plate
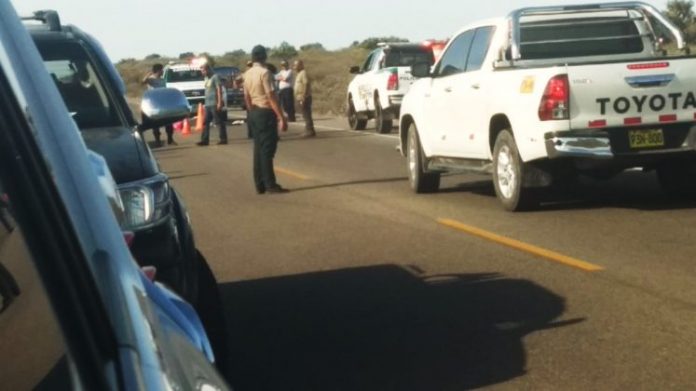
(646, 138)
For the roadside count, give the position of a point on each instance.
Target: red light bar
(668, 118)
(633, 121)
(600, 123)
(651, 65)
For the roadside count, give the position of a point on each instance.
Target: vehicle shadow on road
(382, 328)
(350, 183)
(630, 190)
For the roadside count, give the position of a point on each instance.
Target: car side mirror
(421, 69)
(354, 70)
(163, 106)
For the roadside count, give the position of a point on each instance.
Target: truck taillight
(554, 104)
(393, 81)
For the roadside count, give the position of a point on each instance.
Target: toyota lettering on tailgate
(656, 103)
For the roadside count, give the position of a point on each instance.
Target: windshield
(179, 75)
(77, 80)
(405, 57)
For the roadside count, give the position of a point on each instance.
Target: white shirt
(286, 78)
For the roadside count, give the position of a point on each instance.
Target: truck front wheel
(420, 180)
(508, 174)
(678, 178)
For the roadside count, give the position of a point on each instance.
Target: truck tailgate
(642, 93)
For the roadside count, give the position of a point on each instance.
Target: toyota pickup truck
(547, 93)
(379, 85)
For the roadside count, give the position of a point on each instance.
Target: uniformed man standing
(265, 121)
(303, 93)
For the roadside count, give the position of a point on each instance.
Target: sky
(137, 28)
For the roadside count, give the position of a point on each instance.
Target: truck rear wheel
(420, 180)
(678, 178)
(382, 124)
(355, 122)
(508, 174)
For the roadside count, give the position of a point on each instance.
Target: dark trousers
(307, 114)
(287, 102)
(211, 114)
(169, 129)
(264, 127)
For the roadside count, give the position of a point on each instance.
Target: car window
(80, 85)
(183, 75)
(369, 61)
(31, 344)
(454, 59)
(479, 48)
(405, 57)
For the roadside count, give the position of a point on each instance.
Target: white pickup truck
(380, 84)
(548, 93)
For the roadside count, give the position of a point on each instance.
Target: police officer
(265, 121)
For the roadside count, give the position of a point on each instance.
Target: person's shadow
(382, 328)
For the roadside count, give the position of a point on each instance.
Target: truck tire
(355, 122)
(420, 180)
(508, 174)
(678, 178)
(381, 124)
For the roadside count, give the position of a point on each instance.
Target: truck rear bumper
(598, 145)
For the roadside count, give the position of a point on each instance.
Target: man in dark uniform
(265, 121)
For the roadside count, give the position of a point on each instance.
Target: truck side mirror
(163, 106)
(354, 70)
(421, 69)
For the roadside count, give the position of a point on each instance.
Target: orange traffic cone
(200, 118)
(186, 128)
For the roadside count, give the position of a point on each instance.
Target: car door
(466, 124)
(439, 102)
(363, 94)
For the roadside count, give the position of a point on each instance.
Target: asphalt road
(352, 282)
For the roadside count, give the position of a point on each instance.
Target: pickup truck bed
(549, 93)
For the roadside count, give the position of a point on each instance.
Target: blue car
(76, 311)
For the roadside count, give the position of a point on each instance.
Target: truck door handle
(448, 89)
(476, 86)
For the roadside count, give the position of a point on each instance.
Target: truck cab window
(454, 59)
(479, 48)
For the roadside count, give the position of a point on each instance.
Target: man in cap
(286, 79)
(214, 106)
(303, 92)
(265, 120)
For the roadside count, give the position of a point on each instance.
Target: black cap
(258, 53)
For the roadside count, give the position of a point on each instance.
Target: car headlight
(145, 203)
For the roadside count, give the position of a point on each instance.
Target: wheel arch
(498, 123)
(404, 124)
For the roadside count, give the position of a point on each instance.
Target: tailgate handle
(448, 89)
(650, 81)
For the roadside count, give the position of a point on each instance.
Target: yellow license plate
(646, 138)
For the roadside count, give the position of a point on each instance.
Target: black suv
(94, 93)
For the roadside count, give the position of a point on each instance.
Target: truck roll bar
(643, 8)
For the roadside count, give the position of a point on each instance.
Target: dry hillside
(328, 70)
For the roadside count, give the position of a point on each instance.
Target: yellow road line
(291, 173)
(526, 247)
